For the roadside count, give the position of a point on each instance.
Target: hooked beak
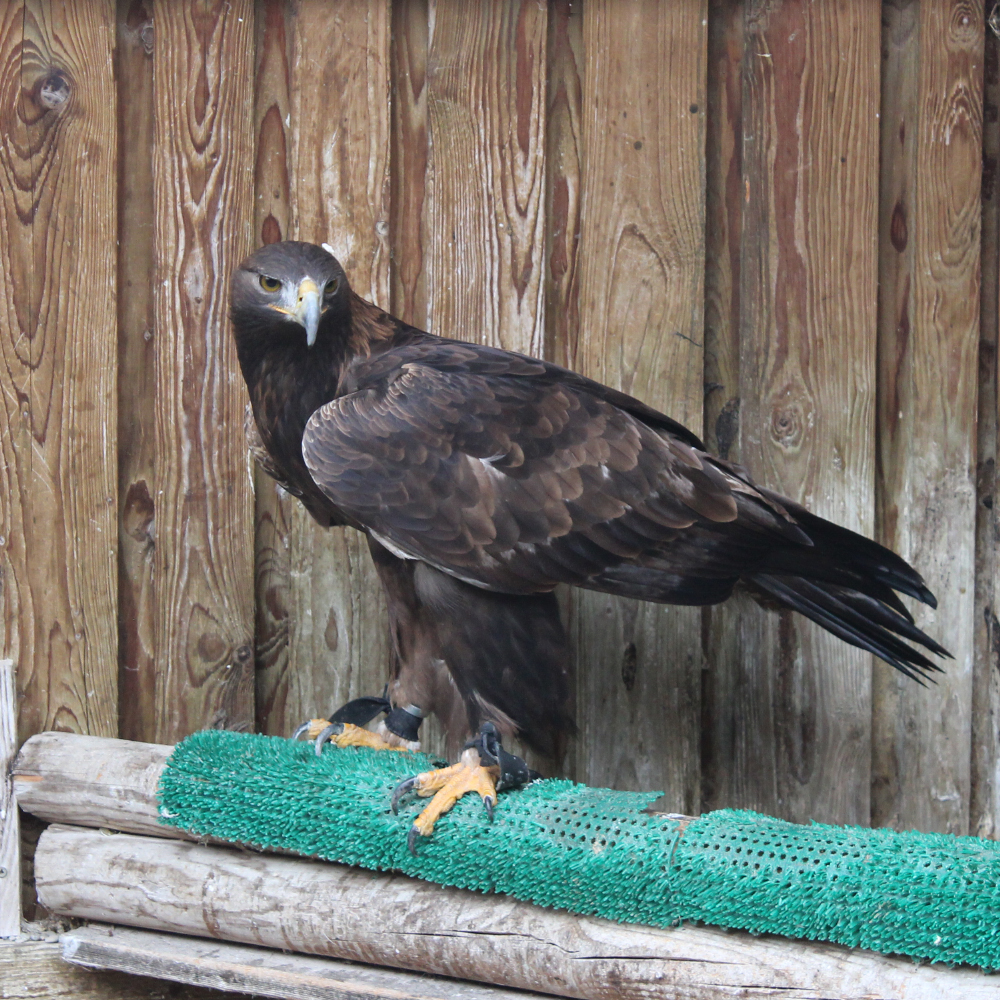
(307, 309)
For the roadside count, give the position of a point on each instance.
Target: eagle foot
(484, 767)
(344, 734)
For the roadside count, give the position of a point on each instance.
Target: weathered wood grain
(928, 352)
(58, 546)
(723, 232)
(273, 510)
(641, 302)
(984, 796)
(10, 832)
(564, 177)
(260, 971)
(37, 969)
(800, 709)
(203, 172)
(136, 373)
(410, 26)
(346, 913)
(484, 209)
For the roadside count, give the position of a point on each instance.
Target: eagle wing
(505, 474)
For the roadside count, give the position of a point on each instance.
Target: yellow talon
(346, 734)
(448, 785)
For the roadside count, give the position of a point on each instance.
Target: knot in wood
(53, 91)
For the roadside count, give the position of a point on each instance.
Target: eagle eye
(331, 287)
(269, 284)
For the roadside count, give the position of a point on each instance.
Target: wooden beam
(202, 170)
(58, 531)
(259, 971)
(931, 177)
(10, 832)
(36, 969)
(346, 913)
(641, 309)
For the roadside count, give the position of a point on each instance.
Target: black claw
(488, 803)
(304, 728)
(402, 789)
(411, 840)
(334, 729)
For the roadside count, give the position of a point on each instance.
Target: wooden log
(91, 781)
(641, 310)
(260, 971)
(36, 969)
(931, 175)
(203, 162)
(799, 702)
(10, 831)
(384, 919)
(58, 536)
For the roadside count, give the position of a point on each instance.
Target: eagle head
(287, 288)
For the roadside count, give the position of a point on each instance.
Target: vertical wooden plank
(485, 200)
(807, 341)
(984, 810)
(273, 511)
(58, 547)
(720, 703)
(409, 159)
(563, 199)
(928, 351)
(203, 163)
(641, 327)
(338, 176)
(10, 832)
(136, 373)
(482, 202)
(564, 179)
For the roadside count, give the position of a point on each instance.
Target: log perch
(332, 910)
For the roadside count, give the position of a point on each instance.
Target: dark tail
(847, 584)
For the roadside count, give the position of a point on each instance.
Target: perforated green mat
(594, 851)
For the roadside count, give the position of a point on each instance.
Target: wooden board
(928, 353)
(724, 199)
(58, 545)
(203, 163)
(136, 373)
(259, 971)
(37, 969)
(273, 509)
(797, 721)
(469, 184)
(641, 307)
(10, 831)
(325, 626)
(345, 913)
(984, 796)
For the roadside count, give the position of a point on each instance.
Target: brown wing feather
(509, 482)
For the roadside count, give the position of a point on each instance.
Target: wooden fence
(769, 219)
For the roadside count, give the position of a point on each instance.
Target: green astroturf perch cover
(594, 851)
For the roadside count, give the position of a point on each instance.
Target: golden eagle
(482, 479)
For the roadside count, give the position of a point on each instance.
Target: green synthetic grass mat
(594, 851)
